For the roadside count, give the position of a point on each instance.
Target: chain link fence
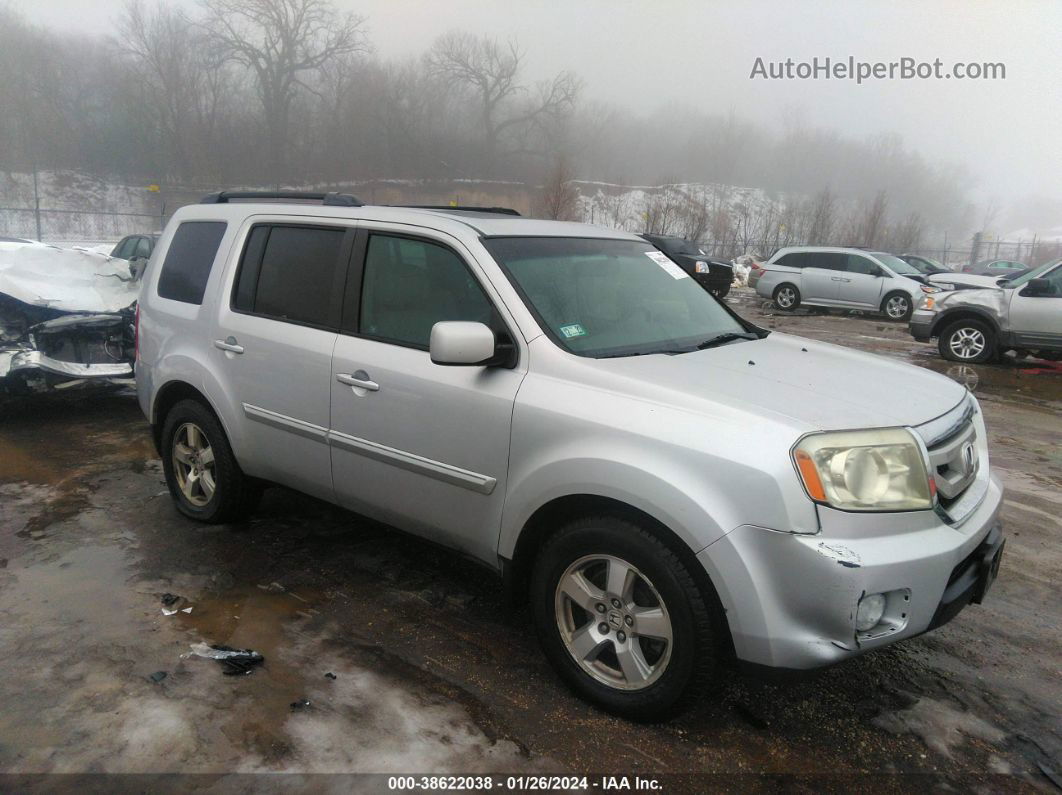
(75, 226)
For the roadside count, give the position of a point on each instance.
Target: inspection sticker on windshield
(573, 330)
(661, 259)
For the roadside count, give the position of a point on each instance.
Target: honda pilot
(666, 485)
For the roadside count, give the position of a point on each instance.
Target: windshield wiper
(729, 336)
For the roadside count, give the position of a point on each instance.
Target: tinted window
(827, 261)
(293, 278)
(793, 260)
(410, 285)
(188, 260)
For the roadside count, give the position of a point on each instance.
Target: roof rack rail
(465, 208)
(327, 199)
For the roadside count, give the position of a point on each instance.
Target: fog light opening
(869, 612)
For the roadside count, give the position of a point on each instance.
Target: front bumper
(921, 324)
(791, 599)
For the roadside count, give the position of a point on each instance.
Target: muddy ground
(412, 660)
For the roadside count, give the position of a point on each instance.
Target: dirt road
(412, 660)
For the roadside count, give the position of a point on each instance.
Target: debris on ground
(158, 676)
(302, 703)
(273, 587)
(330, 675)
(66, 318)
(166, 612)
(170, 599)
(234, 662)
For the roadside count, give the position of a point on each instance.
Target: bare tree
(281, 41)
(868, 225)
(180, 82)
(820, 229)
(560, 197)
(492, 70)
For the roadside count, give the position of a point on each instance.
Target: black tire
(950, 342)
(721, 292)
(234, 495)
(908, 307)
(697, 621)
(795, 304)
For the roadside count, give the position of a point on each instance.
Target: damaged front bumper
(791, 599)
(69, 350)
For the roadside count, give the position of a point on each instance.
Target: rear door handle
(360, 383)
(228, 344)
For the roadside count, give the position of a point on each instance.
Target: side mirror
(1037, 287)
(464, 343)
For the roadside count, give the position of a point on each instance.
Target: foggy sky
(647, 55)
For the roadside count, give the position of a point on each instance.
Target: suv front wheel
(969, 341)
(897, 306)
(621, 618)
(201, 471)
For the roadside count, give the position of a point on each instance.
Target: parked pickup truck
(665, 484)
(977, 325)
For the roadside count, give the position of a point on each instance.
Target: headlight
(701, 267)
(946, 287)
(873, 470)
(928, 289)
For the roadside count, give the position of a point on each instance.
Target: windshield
(602, 298)
(897, 265)
(1035, 273)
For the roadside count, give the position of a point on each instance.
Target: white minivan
(843, 278)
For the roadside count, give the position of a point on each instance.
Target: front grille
(954, 463)
(954, 458)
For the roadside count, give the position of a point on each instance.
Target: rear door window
(189, 259)
(826, 260)
(293, 273)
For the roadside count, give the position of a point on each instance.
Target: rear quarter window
(189, 259)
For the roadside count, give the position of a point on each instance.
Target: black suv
(712, 275)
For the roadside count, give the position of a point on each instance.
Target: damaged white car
(66, 318)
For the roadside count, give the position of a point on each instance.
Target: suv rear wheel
(204, 479)
(622, 619)
(787, 297)
(969, 341)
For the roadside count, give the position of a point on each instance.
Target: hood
(65, 280)
(815, 385)
(964, 279)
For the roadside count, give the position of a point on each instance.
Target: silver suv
(975, 325)
(844, 278)
(668, 485)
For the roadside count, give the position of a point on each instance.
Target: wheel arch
(557, 512)
(962, 313)
(169, 395)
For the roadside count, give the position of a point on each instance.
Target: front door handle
(228, 344)
(360, 383)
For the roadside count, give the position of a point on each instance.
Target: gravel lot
(433, 670)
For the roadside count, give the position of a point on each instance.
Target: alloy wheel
(613, 622)
(897, 306)
(786, 297)
(193, 464)
(967, 343)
